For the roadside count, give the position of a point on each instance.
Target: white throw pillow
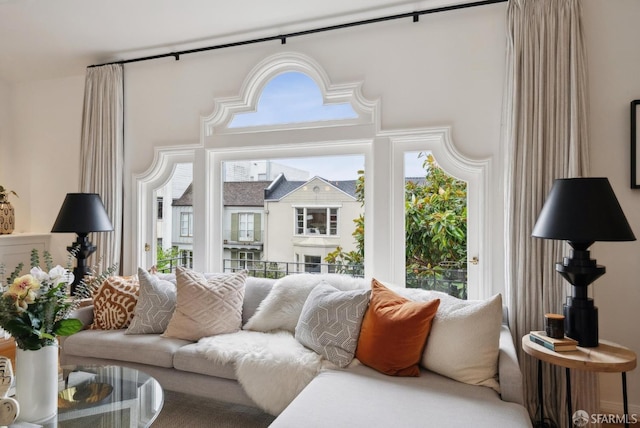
(281, 309)
(330, 322)
(464, 340)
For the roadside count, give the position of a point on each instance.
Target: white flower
(59, 274)
(40, 275)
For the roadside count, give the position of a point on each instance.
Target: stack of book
(557, 345)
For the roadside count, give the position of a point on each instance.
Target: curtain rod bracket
(176, 56)
(283, 40)
(416, 17)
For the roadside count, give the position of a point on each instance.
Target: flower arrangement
(35, 308)
(4, 194)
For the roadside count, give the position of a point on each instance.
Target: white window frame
(307, 231)
(245, 234)
(384, 172)
(188, 216)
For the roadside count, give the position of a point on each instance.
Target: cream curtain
(101, 153)
(546, 137)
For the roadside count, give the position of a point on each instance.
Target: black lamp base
(581, 321)
(81, 249)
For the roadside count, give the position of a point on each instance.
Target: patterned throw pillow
(114, 302)
(330, 322)
(206, 306)
(394, 332)
(156, 304)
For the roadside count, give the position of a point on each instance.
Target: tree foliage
(435, 222)
(435, 219)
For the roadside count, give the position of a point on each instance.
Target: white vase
(37, 383)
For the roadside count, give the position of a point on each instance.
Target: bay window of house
(317, 221)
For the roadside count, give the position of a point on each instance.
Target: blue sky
(293, 97)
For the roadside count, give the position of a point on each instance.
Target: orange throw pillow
(394, 332)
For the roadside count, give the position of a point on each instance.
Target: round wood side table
(607, 357)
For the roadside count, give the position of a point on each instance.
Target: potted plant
(35, 310)
(7, 214)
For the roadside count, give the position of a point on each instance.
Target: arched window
(246, 137)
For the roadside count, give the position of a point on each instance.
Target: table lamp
(582, 211)
(82, 213)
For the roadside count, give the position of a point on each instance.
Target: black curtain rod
(283, 37)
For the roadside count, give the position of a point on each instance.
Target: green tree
(435, 219)
(164, 258)
(435, 223)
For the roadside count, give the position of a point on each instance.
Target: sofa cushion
(156, 303)
(190, 359)
(330, 322)
(114, 302)
(149, 349)
(362, 398)
(206, 307)
(394, 332)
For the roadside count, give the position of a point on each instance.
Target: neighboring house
(243, 223)
(306, 220)
(293, 222)
(182, 223)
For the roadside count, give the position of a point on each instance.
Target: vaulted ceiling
(43, 39)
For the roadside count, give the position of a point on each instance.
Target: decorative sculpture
(9, 407)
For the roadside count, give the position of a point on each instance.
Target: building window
(312, 264)
(245, 226)
(317, 221)
(160, 201)
(245, 260)
(186, 224)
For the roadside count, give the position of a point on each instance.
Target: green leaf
(67, 327)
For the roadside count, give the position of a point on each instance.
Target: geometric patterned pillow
(114, 302)
(330, 322)
(206, 306)
(156, 303)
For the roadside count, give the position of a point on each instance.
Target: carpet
(183, 410)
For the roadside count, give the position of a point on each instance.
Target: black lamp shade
(582, 210)
(82, 213)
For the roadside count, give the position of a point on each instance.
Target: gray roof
(186, 200)
(244, 193)
(253, 193)
(281, 187)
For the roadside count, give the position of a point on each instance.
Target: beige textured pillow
(206, 306)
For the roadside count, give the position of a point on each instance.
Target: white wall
(612, 35)
(46, 118)
(447, 69)
(5, 132)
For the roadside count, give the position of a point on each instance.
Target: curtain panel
(101, 153)
(546, 137)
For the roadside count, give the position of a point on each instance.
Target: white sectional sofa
(355, 396)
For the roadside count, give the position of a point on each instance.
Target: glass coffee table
(105, 396)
